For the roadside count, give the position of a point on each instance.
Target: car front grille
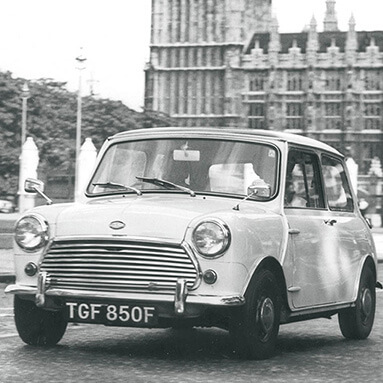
(117, 265)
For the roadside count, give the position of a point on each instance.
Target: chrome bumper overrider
(180, 298)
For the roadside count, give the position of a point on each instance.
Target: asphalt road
(312, 351)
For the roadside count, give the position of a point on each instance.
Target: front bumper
(179, 299)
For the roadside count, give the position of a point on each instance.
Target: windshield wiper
(166, 184)
(115, 185)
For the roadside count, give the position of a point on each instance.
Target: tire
(182, 327)
(357, 322)
(38, 327)
(255, 328)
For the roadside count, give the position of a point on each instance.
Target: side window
(303, 185)
(336, 184)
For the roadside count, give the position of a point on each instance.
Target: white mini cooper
(180, 227)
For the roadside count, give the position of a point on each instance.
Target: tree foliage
(51, 121)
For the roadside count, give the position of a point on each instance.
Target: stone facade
(194, 44)
(224, 63)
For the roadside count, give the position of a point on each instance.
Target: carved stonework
(226, 55)
(373, 52)
(295, 54)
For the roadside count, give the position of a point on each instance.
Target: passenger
(291, 198)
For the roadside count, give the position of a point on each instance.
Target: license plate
(112, 314)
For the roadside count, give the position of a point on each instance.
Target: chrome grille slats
(111, 273)
(123, 264)
(120, 245)
(117, 265)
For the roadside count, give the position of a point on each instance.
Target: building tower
(225, 63)
(194, 52)
(330, 23)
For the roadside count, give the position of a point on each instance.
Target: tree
(51, 121)
(10, 132)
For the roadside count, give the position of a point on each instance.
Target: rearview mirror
(186, 155)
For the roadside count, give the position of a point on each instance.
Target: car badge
(117, 225)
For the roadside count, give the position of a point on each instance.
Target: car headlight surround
(211, 238)
(31, 232)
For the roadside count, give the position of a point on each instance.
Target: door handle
(330, 222)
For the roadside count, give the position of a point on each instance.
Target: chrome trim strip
(208, 300)
(152, 240)
(84, 244)
(20, 290)
(323, 309)
(237, 300)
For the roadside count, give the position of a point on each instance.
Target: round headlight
(211, 238)
(31, 232)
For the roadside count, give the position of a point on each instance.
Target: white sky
(41, 38)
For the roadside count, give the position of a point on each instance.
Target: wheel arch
(275, 267)
(368, 261)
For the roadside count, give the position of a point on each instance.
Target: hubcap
(366, 303)
(267, 315)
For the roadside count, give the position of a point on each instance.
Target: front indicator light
(210, 277)
(30, 269)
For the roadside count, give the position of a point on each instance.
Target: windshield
(192, 165)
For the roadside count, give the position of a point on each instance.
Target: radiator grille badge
(117, 225)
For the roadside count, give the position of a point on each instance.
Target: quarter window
(337, 187)
(303, 186)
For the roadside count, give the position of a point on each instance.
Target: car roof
(288, 137)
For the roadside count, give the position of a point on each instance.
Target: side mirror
(31, 185)
(259, 188)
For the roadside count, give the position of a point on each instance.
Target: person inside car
(291, 197)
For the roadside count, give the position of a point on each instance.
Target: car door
(347, 230)
(312, 242)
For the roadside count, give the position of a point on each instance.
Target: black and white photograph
(191, 191)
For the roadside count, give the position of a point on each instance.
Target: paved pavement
(6, 255)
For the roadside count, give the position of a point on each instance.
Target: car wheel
(255, 328)
(38, 327)
(357, 322)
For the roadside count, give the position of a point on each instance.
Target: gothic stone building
(224, 63)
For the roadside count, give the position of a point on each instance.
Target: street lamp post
(80, 66)
(24, 97)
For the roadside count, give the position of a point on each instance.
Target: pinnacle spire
(352, 23)
(313, 22)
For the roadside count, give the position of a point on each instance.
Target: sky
(42, 38)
